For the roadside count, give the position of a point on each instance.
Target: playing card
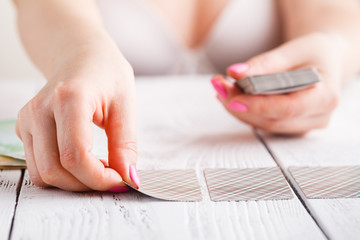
(236, 184)
(283, 82)
(172, 185)
(328, 182)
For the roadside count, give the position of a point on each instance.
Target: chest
(191, 20)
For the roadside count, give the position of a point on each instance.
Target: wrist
(98, 58)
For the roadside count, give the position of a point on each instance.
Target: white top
(153, 48)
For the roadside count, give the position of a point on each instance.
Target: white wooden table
(181, 125)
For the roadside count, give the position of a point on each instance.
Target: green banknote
(11, 148)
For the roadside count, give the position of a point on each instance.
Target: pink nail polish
(238, 68)
(134, 176)
(119, 189)
(220, 89)
(238, 106)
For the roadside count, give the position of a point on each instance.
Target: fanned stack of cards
(277, 83)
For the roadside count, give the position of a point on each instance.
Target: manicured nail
(220, 89)
(119, 189)
(134, 176)
(238, 68)
(238, 106)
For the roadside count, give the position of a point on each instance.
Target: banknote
(11, 148)
(7, 162)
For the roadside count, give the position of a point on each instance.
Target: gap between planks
(18, 190)
(296, 190)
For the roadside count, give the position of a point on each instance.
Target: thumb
(283, 58)
(120, 127)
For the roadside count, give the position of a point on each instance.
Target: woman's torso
(202, 36)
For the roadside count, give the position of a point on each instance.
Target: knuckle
(125, 148)
(37, 181)
(131, 146)
(71, 157)
(65, 92)
(34, 108)
(48, 175)
(68, 158)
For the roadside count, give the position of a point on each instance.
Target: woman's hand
(297, 112)
(91, 84)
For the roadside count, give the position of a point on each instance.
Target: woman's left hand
(293, 113)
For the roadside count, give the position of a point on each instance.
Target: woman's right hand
(90, 84)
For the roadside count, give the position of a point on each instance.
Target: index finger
(74, 135)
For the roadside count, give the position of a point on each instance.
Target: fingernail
(238, 68)
(134, 176)
(220, 89)
(119, 189)
(238, 106)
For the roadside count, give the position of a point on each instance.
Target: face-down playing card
(173, 185)
(236, 184)
(328, 182)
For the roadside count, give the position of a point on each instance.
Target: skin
(89, 81)
(329, 42)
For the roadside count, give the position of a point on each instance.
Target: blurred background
(15, 66)
(14, 63)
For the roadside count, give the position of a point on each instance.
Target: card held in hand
(278, 83)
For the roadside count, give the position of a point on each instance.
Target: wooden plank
(336, 145)
(9, 180)
(13, 94)
(181, 125)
